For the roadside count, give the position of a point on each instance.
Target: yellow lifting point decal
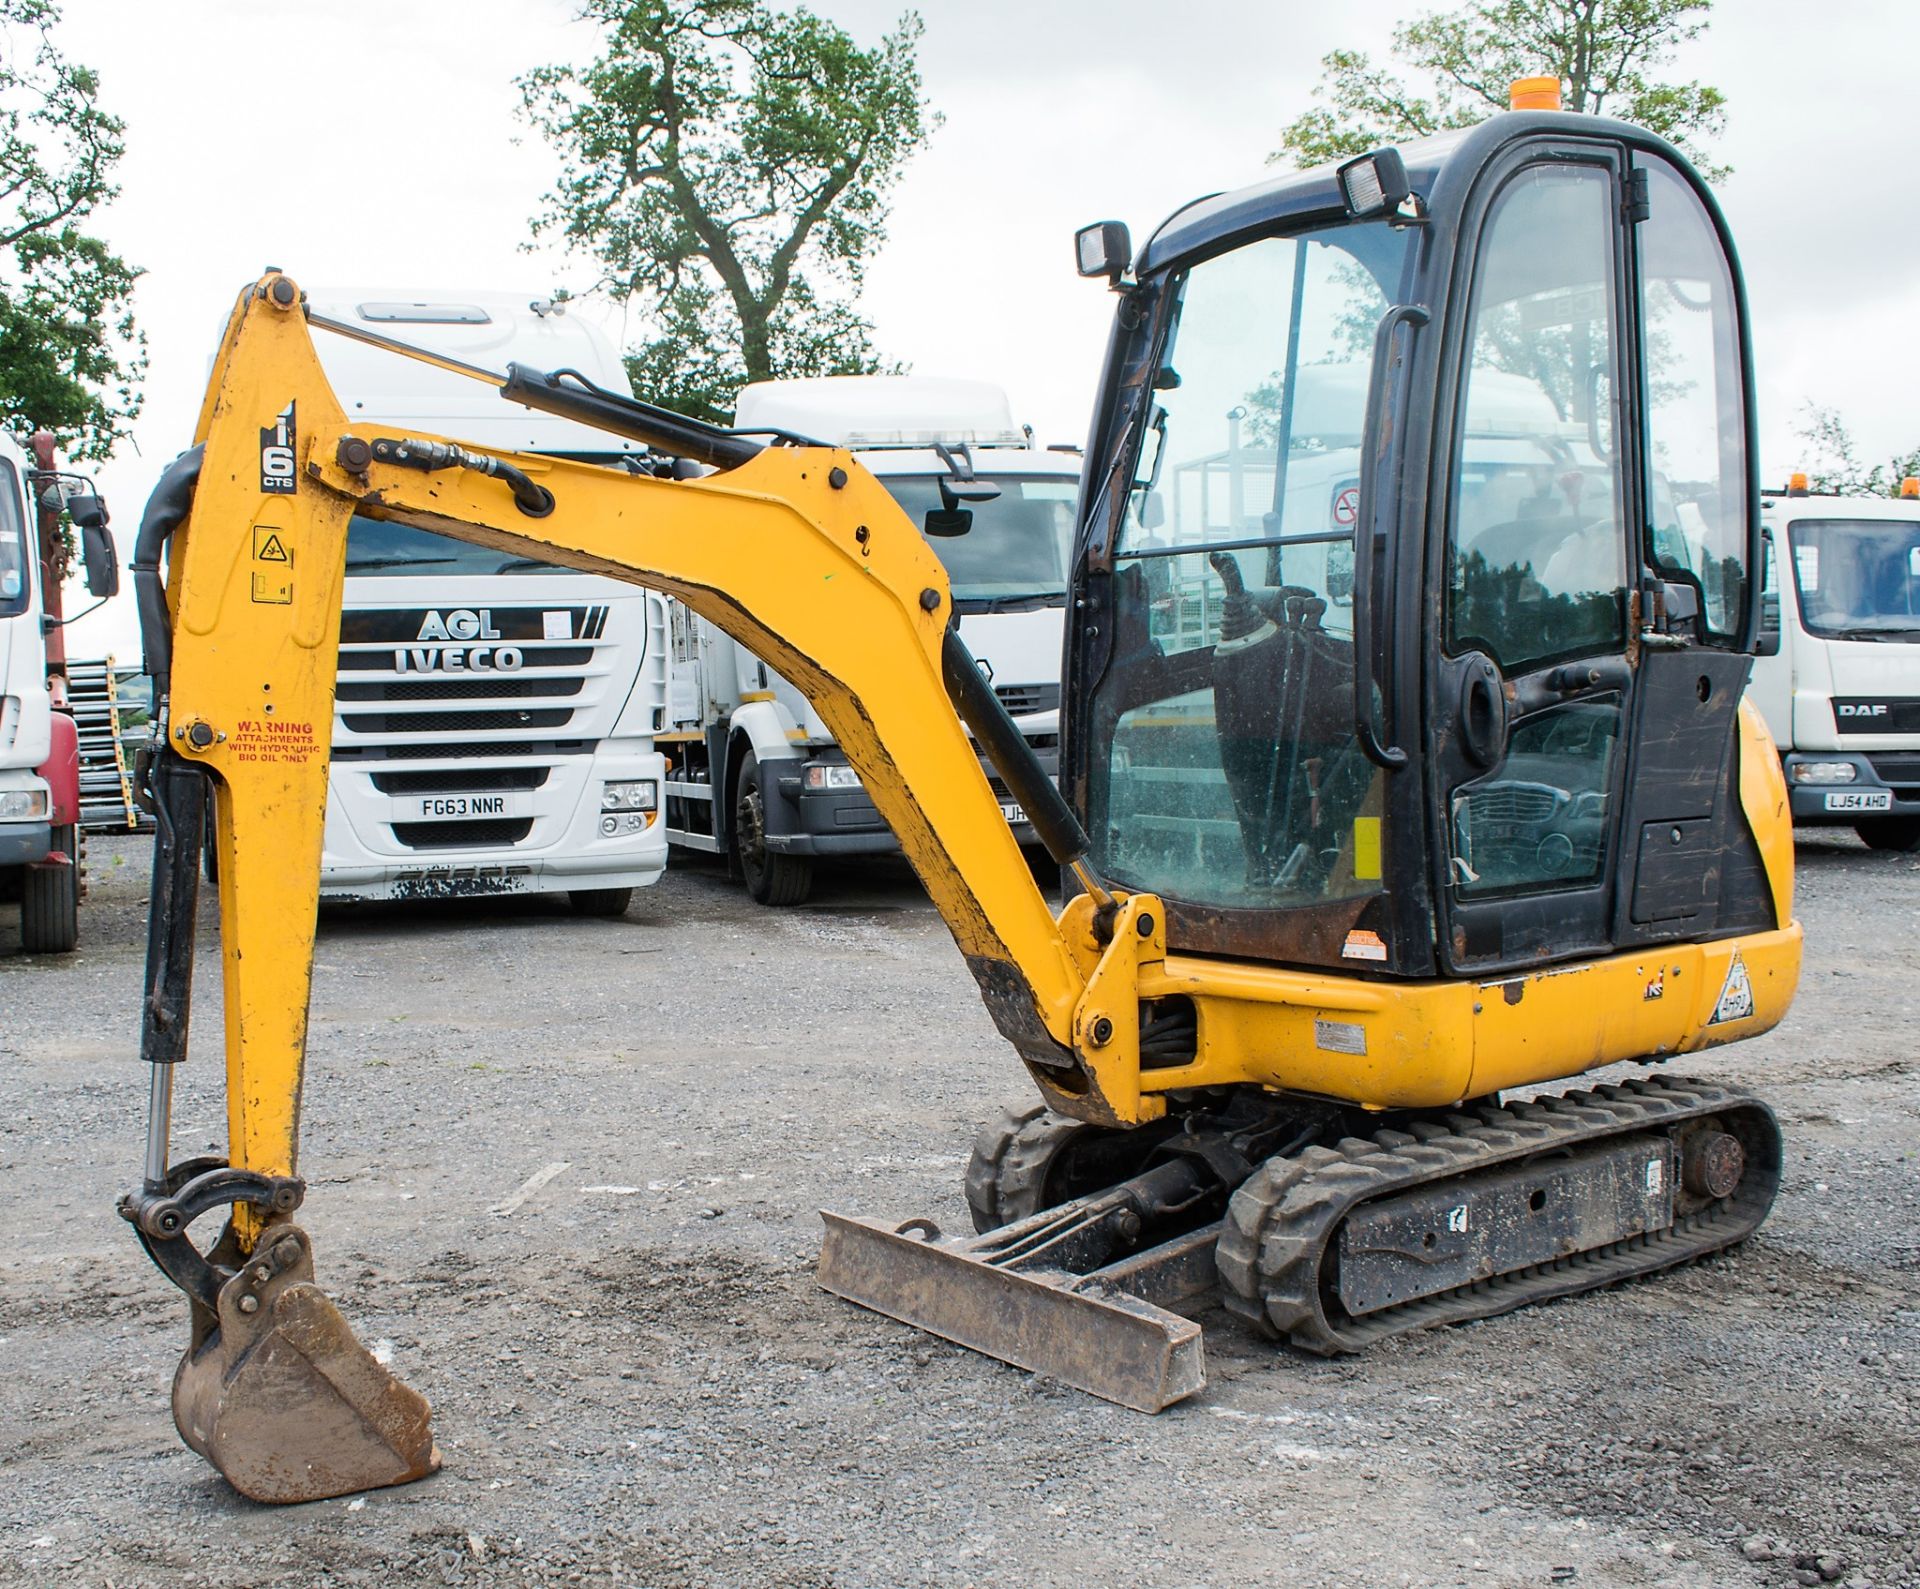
(272, 572)
(1366, 849)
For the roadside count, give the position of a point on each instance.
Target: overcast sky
(373, 142)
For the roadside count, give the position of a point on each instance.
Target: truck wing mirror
(89, 514)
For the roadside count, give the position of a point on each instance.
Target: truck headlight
(632, 794)
(1824, 772)
(25, 805)
(829, 775)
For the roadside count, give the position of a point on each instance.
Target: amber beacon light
(1534, 93)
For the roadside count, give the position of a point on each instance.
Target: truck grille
(1899, 771)
(1511, 803)
(460, 690)
(452, 722)
(505, 692)
(460, 780)
(462, 835)
(1022, 698)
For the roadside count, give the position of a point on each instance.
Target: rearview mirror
(954, 490)
(947, 522)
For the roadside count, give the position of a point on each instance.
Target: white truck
(39, 744)
(1838, 678)
(755, 774)
(494, 726)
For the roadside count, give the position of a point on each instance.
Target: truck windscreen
(13, 545)
(1858, 579)
(376, 547)
(1017, 550)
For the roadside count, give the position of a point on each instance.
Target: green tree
(71, 359)
(728, 166)
(1833, 465)
(1606, 53)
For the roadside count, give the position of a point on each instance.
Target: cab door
(1592, 595)
(1534, 688)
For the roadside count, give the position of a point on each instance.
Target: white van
(1838, 680)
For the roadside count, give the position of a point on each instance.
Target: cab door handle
(1483, 712)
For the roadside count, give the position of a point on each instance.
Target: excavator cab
(1418, 564)
(1404, 765)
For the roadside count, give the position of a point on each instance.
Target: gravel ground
(636, 1382)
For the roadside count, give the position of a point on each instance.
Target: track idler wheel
(277, 1392)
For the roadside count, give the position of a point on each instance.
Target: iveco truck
(1838, 679)
(755, 775)
(39, 744)
(495, 721)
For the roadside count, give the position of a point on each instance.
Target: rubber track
(1007, 1173)
(1282, 1223)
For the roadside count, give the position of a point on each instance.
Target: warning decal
(1736, 994)
(272, 582)
(264, 739)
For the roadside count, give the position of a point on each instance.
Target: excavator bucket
(279, 1395)
(1103, 1331)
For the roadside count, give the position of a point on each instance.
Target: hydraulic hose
(167, 509)
(1012, 757)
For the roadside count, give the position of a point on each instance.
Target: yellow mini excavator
(1404, 764)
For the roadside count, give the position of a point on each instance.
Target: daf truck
(755, 774)
(1838, 677)
(494, 724)
(39, 744)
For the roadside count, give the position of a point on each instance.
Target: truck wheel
(1890, 833)
(771, 878)
(50, 901)
(600, 901)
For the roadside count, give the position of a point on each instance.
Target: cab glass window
(1537, 554)
(1232, 775)
(1696, 409)
(14, 550)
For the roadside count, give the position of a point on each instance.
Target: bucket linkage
(274, 1389)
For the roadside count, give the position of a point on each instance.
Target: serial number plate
(1012, 812)
(432, 807)
(1860, 800)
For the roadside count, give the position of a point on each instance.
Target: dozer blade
(1078, 1329)
(282, 1398)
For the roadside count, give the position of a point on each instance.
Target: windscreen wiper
(356, 565)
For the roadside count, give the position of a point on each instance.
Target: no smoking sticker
(1346, 506)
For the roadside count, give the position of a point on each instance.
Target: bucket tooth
(282, 1398)
(1078, 1329)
